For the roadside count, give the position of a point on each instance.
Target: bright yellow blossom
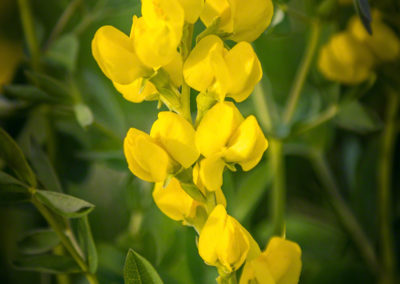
(137, 91)
(383, 42)
(345, 59)
(173, 201)
(193, 9)
(232, 140)
(211, 67)
(223, 242)
(280, 263)
(242, 20)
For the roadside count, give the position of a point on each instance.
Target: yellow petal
(177, 136)
(211, 173)
(136, 92)
(193, 9)
(214, 9)
(198, 70)
(245, 70)
(284, 260)
(114, 53)
(247, 144)
(145, 158)
(174, 70)
(257, 271)
(173, 201)
(217, 127)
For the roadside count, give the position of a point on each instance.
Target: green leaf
(50, 85)
(363, 11)
(47, 263)
(28, 93)
(43, 168)
(87, 243)
(12, 193)
(15, 159)
(64, 51)
(138, 270)
(251, 190)
(65, 205)
(83, 115)
(38, 241)
(354, 116)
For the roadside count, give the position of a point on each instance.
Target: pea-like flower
(170, 145)
(210, 67)
(232, 140)
(223, 242)
(345, 59)
(241, 20)
(383, 42)
(280, 263)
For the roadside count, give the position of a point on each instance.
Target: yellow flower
(146, 159)
(10, 56)
(157, 34)
(137, 91)
(345, 59)
(211, 67)
(383, 42)
(232, 140)
(280, 263)
(243, 20)
(193, 9)
(223, 242)
(177, 136)
(173, 201)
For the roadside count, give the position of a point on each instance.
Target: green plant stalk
(302, 72)
(388, 260)
(343, 212)
(278, 187)
(30, 33)
(186, 47)
(261, 107)
(61, 233)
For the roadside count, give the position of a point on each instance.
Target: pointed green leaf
(64, 51)
(65, 205)
(47, 263)
(364, 12)
(38, 241)
(15, 159)
(138, 270)
(28, 93)
(87, 243)
(50, 85)
(43, 168)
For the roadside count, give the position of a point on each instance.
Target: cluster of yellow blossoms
(351, 55)
(186, 160)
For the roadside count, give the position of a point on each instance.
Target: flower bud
(173, 201)
(177, 137)
(280, 263)
(146, 159)
(223, 242)
(383, 42)
(242, 20)
(345, 59)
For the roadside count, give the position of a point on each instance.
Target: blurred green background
(82, 135)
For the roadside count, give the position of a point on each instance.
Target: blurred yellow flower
(210, 67)
(242, 20)
(232, 140)
(280, 263)
(345, 59)
(383, 42)
(223, 242)
(10, 57)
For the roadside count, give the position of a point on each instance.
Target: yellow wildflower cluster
(351, 55)
(186, 160)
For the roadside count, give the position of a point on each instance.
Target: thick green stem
(30, 33)
(186, 47)
(302, 72)
(278, 187)
(388, 260)
(62, 234)
(343, 212)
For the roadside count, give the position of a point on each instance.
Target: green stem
(30, 33)
(343, 212)
(302, 72)
(323, 117)
(68, 244)
(384, 188)
(278, 187)
(186, 47)
(261, 107)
